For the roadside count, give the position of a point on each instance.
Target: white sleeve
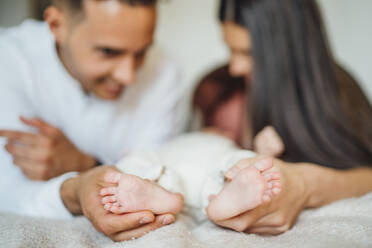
(170, 116)
(174, 106)
(17, 193)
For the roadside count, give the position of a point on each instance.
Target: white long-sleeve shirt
(34, 83)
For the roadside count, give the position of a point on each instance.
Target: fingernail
(145, 220)
(168, 220)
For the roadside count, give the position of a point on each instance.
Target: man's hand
(81, 196)
(45, 155)
(281, 213)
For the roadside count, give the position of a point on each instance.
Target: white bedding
(344, 224)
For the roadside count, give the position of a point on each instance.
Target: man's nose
(125, 71)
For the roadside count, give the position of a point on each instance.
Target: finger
(33, 170)
(25, 163)
(23, 138)
(41, 125)
(111, 224)
(37, 154)
(267, 230)
(160, 221)
(35, 173)
(244, 221)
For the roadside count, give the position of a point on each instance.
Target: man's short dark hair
(77, 5)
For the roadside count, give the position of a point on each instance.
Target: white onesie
(192, 164)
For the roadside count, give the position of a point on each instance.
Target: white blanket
(344, 224)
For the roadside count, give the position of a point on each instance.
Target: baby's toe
(116, 208)
(269, 176)
(108, 206)
(112, 177)
(108, 191)
(109, 199)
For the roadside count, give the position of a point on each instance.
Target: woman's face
(239, 41)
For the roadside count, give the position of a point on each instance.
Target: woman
(293, 84)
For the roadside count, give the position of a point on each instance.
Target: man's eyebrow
(112, 48)
(122, 50)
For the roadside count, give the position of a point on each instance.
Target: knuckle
(50, 143)
(55, 133)
(101, 228)
(284, 228)
(105, 227)
(280, 220)
(46, 159)
(240, 226)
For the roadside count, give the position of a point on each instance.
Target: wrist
(320, 185)
(87, 162)
(308, 179)
(69, 195)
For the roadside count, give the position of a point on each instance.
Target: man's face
(107, 46)
(239, 41)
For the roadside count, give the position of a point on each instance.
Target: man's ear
(56, 19)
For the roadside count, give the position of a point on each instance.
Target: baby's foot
(268, 143)
(133, 194)
(251, 187)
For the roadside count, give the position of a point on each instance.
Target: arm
(19, 194)
(325, 185)
(303, 186)
(171, 99)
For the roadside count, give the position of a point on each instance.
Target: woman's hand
(281, 213)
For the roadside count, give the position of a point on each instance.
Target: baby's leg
(253, 186)
(133, 194)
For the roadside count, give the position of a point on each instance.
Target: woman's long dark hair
(297, 87)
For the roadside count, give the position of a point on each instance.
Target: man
(78, 90)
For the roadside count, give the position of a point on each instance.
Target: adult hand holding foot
(81, 195)
(303, 185)
(274, 214)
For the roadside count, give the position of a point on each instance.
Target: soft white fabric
(191, 164)
(344, 224)
(34, 83)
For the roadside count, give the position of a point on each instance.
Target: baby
(192, 166)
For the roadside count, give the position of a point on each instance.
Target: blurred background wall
(190, 32)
